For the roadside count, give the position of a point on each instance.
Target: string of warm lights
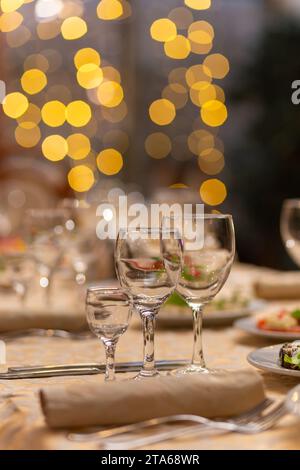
(63, 124)
(56, 108)
(181, 36)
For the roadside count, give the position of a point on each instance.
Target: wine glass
(208, 254)
(47, 238)
(148, 266)
(108, 314)
(290, 228)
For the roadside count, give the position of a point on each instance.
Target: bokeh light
(86, 56)
(198, 4)
(214, 113)
(109, 10)
(36, 61)
(110, 94)
(10, 5)
(89, 76)
(10, 21)
(79, 146)
(81, 178)
(177, 94)
(31, 118)
(110, 161)
(158, 145)
(163, 30)
(211, 161)
(15, 104)
(33, 81)
(213, 192)
(162, 112)
(54, 148)
(27, 138)
(117, 139)
(73, 28)
(178, 48)
(54, 113)
(78, 113)
(182, 17)
(217, 64)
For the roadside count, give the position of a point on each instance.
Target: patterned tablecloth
(21, 422)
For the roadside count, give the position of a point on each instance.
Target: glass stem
(148, 369)
(110, 350)
(198, 359)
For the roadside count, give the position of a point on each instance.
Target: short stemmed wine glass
(108, 314)
(290, 228)
(208, 254)
(148, 265)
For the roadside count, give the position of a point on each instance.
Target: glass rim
(200, 216)
(106, 289)
(146, 229)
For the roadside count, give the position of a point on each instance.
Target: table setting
(70, 390)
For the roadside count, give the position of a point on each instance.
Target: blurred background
(180, 100)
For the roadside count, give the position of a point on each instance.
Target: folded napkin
(279, 285)
(65, 312)
(221, 394)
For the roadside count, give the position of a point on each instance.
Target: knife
(81, 369)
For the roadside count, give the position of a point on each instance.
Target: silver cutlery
(101, 435)
(249, 426)
(54, 370)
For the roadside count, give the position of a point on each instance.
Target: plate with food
(223, 310)
(283, 359)
(280, 324)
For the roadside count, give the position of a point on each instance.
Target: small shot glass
(108, 314)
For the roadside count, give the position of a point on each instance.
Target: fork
(253, 414)
(254, 425)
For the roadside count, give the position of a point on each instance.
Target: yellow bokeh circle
(178, 48)
(110, 94)
(213, 192)
(73, 28)
(110, 161)
(198, 4)
(10, 5)
(33, 81)
(162, 112)
(10, 21)
(218, 64)
(54, 148)
(78, 113)
(54, 113)
(158, 145)
(109, 10)
(163, 30)
(79, 146)
(85, 56)
(198, 73)
(27, 138)
(89, 76)
(15, 104)
(214, 113)
(31, 118)
(81, 178)
(211, 161)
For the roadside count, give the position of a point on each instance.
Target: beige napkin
(222, 394)
(279, 285)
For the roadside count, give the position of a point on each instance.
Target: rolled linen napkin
(279, 285)
(223, 393)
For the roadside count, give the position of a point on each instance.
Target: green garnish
(175, 299)
(296, 314)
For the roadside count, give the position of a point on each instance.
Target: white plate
(177, 318)
(249, 325)
(268, 359)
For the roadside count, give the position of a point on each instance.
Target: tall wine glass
(290, 228)
(209, 248)
(47, 237)
(148, 266)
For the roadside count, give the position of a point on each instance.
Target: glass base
(191, 369)
(144, 374)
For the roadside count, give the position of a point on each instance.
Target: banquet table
(22, 424)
